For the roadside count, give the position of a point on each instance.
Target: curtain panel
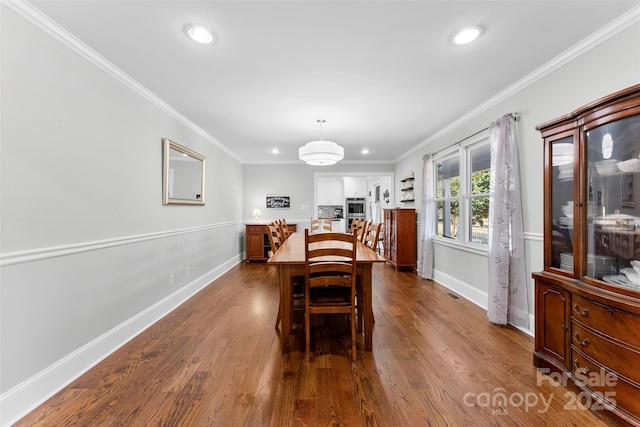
(507, 275)
(425, 262)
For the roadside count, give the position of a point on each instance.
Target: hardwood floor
(216, 361)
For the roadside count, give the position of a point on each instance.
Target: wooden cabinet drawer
(255, 229)
(619, 357)
(606, 383)
(609, 321)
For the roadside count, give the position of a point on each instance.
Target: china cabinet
(399, 237)
(587, 299)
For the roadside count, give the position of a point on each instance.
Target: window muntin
(462, 193)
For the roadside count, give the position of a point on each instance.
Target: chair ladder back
(372, 235)
(330, 270)
(274, 237)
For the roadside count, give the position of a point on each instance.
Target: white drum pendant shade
(321, 153)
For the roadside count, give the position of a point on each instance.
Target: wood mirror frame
(182, 175)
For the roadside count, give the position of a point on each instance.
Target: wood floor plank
(216, 361)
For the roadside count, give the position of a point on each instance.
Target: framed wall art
(278, 202)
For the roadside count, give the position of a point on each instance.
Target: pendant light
(321, 153)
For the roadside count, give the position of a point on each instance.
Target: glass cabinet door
(613, 215)
(562, 205)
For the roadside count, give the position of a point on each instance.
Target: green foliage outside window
(480, 205)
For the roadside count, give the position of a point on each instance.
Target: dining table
(290, 260)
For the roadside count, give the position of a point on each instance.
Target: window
(480, 164)
(462, 192)
(448, 196)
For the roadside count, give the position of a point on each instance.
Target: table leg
(367, 302)
(285, 305)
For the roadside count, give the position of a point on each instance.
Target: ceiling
(383, 74)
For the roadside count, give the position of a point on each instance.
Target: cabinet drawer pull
(584, 312)
(583, 342)
(578, 368)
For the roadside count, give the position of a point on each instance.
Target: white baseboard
(475, 295)
(28, 395)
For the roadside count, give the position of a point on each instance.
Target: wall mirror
(182, 175)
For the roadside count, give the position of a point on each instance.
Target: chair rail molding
(30, 255)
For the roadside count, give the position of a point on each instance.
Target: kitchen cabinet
(338, 225)
(257, 244)
(587, 306)
(329, 191)
(399, 237)
(355, 187)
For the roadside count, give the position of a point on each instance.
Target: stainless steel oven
(355, 207)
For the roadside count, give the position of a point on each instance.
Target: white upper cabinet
(355, 187)
(329, 191)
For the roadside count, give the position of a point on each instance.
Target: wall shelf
(407, 188)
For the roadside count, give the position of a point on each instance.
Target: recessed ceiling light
(274, 151)
(199, 33)
(467, 35)
(364, 151)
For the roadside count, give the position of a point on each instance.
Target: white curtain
(507, 275)
(375, 212)
(425, 263)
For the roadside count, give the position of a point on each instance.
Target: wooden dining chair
(361, 229)
(297, 294)
(320, 225)
(284, 229)
(354, 225)
(330, 284)
(275, 238)
(278, 226)
(314, 225)
(372, 235)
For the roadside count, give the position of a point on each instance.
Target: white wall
(605, 68)
(296, 181)
(87, 246)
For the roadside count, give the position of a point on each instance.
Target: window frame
(462, 151)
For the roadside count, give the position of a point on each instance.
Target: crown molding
(610, 30)
(40, 20)
(51, 28)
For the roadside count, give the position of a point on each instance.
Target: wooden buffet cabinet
(257, 244)
(399, 238)
(587, 299)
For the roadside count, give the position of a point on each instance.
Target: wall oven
(355, 208)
